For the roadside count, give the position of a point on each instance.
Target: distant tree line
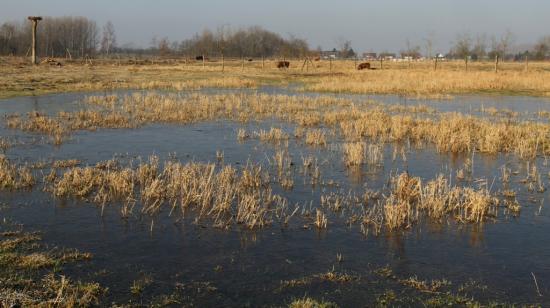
(79, 37)
(248, 42)
(57, 37)
(481, 47)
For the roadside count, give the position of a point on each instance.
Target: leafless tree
(57, 37)
(108, 41)
(542, 48)
(479, 49)
(411, 51)
(429, 44)
(462, 46)
(501, 47)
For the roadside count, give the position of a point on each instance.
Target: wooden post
(223, 63)
(466, 61)
(496, 63)
(34, 20)
(242, 63)
(381, 63)
(435, 63)
(330, 63)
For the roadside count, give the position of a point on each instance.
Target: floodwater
(205, 266)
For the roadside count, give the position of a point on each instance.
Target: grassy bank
(18, 78)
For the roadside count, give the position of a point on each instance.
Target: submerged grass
(448, 132)
(223, 196)
(30, 274)
(13, 176)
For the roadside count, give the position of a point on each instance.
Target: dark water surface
(247, 267)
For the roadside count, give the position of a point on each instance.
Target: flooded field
(267, 196)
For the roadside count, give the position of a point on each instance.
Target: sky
(381, 25)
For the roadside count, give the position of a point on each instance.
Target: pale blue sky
(370, 25)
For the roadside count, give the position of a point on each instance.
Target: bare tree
(429, 44)
(108, 42)
(479, 49)
(462, 46)
(506, 42)
(500, 47)
(410, 51)
(164, 47)
(344, 46)
(542, 48)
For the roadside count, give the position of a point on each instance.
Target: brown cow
(283, 64)
(363, 66)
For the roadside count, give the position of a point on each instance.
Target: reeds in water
(223, 196)
(13, 176)
(354, 153)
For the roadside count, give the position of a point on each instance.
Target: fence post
(496, 63)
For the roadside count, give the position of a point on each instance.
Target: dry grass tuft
(354, 153)
(316, 137)
(222, 197)
(14, 177)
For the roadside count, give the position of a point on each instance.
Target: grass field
(18, 78)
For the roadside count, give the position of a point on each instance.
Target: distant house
(440, 57)
(370, 56)
(388, 56)
(330, 54)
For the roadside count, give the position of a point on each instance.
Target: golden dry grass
(222, 197)
(19, 78)
(32, 274)
(13, 176)
(426, 83)
(448, 132)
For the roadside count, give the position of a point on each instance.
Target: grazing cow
(200, 58)
(317, 59)
(250, 59)
(283, 64)
(364, 66)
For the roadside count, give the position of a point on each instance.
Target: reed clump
(354, 153)
(222, 196)
(410, 199)
(275, 135)
(13, 176)
(316, 137)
